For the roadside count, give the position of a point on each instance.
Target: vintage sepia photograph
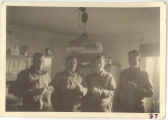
(84, 58)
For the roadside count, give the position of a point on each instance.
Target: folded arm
(147, 89)
(109, 91)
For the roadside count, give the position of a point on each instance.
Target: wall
(119, 50)
(38, 41)
(35, 43)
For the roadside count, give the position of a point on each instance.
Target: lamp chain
(79, 17)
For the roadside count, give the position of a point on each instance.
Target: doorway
(152, 66)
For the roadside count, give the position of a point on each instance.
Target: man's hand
(95, 90)
(47, 94)
(37, 91)
(42, 90)
(78, 85)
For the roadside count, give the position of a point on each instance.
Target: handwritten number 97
(151, 115)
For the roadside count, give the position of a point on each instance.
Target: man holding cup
(132, 87)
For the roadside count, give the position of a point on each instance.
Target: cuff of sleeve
(82, 90)
(51, 88)
(98, 92)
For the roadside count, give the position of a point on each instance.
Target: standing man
(132, 87)
(69, 88)
(32, 85)
(101, 88)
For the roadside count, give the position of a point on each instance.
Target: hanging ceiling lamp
(84, 44)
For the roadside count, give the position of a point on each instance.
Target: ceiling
(104, 23)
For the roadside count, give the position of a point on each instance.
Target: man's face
(99, 64)
(133, 60)
(38, 63)
(71, 64)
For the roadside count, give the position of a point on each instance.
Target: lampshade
(84, 44)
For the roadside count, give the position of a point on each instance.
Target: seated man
(132, 87)
(101, 88)
(69, 88)
(32, 85)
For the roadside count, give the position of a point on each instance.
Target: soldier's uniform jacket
(27, 87)
(100, 100)
(128, 99)
(69, 89)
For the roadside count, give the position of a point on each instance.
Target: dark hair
(37, 55)
(100, 57)
(70, 57)
(136, 52)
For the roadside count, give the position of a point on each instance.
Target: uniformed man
(132, 87)
(101, 88)
(32, 85)
(69, 88)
